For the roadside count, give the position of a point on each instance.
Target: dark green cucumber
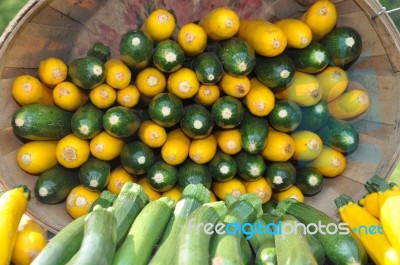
(292, 247)
(168, 56)
(100, 227)
(208, 68)
(312, 59)
(222, 167)
(250, 167)
(94, 174)
(309, 180)
(136, 49)
(54, 185)
(87, 121)
(227, 112)
(105, 200)
(340, 135)
(280, 175)
(64, 245)
(275, 72)
(100, 51)
(237, 56)
(41, 122)
(253, 133)
(197, 122)
(340, 246)
(136, 157)
(286, 116)
(165, 109)
(162, 176)
(86, 72)
(192, 173)
(344, 45)
(121, 121)
(314, 117)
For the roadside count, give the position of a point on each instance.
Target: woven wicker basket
(67, 28)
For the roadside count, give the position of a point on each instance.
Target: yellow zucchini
(330, 163)
(259, 100)
(298, 33)
(183, 83)
(36, 157)
(280, 146)
(390, 218)
(371, 203)
(304, 90)
(72, 152)
(153, 195)
(350, 104)
(376, 244)
(203, 150)
(292, 192)
(52, 71)
(152, 134)
(175, 193)
(13, 204)
(68, 96)
(31, 239)
(266, 38)
(229, 140)
(160, 25)
(207, 94)
(27, 89)
(308, 145)
(105, 146)
(235, 86)
(118, 177)
(150, 82)
(80, 200)
(333, 81)
(117, 73)
(176, 147)
(103, 96)
(235, 187)
(259, 187)
(220, 23)
(128, 96)
(321, 17)
(192, 38)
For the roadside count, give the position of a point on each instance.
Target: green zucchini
(168, 56)
(250, 167)
(266, 255)
(99, 239)
(261, 237)
(64, 245)
(340, 247)
(94, 174)
(144, 233)
(292, 247)
(193, 197)
(316, 248)
(87, 121)
(86, 72)
(270, 206)
(194, 243)
(100, 51)
(105, 200)
(246, 252)
(130, 201)
(253, 133)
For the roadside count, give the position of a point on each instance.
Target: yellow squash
(376, 243)
(72, 152)
(292, 192)
(183, 83)
(13, 204)
(117, 73)
(160, 25)
(203, 150)
(31, 239)
(128, 96)
(259, 187)
(150, 81)
(304, 90)
(390, 218)
(266, 38)
(79, 201)
(176, 148)
(234, 186)
(370, 202)
(229, 140)
(350, 104)
(330, 162)
(192, 38)
(235, 86)
(105, 146)
(333, 81)
(174, 193)
(221, 23)
(207, 94)
(298, 33)
(152, 134)
(68, 96)
(321, 17)
(118, 177)
(259, 100)
(27, 89)
(52, 71)
(103, 96)
(280, 146)
(308, 145)
(36, 157)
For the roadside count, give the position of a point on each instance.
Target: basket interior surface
(67, 28)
